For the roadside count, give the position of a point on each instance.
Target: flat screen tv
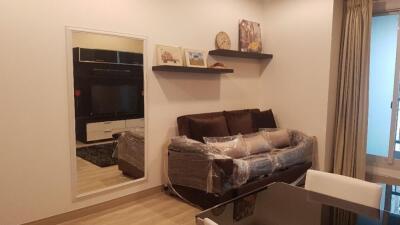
(115, 99)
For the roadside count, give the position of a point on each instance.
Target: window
(383, 112)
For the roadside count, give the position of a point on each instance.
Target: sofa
(200, 173)
(130, 153)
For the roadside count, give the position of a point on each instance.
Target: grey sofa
(197, 165)
(200, 174)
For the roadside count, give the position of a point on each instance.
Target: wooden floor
(91, 177)
(155, 209)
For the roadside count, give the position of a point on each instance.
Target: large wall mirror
(107, 94)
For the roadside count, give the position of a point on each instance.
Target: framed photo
(249, 36)
(196, 58)
(169, 55)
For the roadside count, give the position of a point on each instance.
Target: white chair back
(209, 222)
(346, 188)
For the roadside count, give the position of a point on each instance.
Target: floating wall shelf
(239, 54)
(185, 69)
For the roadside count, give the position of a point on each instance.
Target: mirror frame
(71, 114)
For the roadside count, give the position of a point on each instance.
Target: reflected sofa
(130, 153)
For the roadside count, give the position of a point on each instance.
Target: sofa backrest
(184, 121)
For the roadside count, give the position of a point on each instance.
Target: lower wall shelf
(185, 69)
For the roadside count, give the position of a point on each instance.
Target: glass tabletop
(283, 204)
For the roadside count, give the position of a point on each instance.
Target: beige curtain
(352, 99)
(343, 217)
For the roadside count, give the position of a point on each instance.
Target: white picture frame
(169, 55)
(196, 58)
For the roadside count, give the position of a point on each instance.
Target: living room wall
(35, 163)
(300, 82)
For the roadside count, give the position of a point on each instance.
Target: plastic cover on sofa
(200, 166)
(130, 148)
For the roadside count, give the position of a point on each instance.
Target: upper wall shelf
(185, 69)
(239, 54)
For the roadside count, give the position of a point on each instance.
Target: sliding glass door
(383, 113)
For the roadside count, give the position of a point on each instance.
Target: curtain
(351, 122)
(343, 217)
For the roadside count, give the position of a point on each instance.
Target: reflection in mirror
(109, 109)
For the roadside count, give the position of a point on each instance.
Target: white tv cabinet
(97, 131)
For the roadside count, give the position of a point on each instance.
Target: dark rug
(100, 155)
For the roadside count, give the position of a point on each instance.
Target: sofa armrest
(300, 150)
(226, 166)
(298, 137)
(199, 166)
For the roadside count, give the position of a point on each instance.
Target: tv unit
(114, 99)
(108, 90)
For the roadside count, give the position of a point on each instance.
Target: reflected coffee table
(283, 204)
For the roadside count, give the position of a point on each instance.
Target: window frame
(390, 161)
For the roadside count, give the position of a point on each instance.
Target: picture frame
(250, 36)
(196, 58)
(169, 55)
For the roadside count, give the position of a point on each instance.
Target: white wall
(35, 157)
(296, 82)
(35, 163)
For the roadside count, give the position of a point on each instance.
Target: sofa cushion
(208, 127)
(279, 138)
(239, 122)
(256, 143)
(264, 119)
(184, 120)
(232, 146)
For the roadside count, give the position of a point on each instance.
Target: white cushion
(232, 146)
(346, 188)
(256, 143)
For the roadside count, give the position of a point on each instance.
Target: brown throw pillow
(264, 119)
(208, 127)
(239, 122)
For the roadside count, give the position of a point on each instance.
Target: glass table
(283, 204)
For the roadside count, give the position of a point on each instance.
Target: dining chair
(343, 187)
(207, 221)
